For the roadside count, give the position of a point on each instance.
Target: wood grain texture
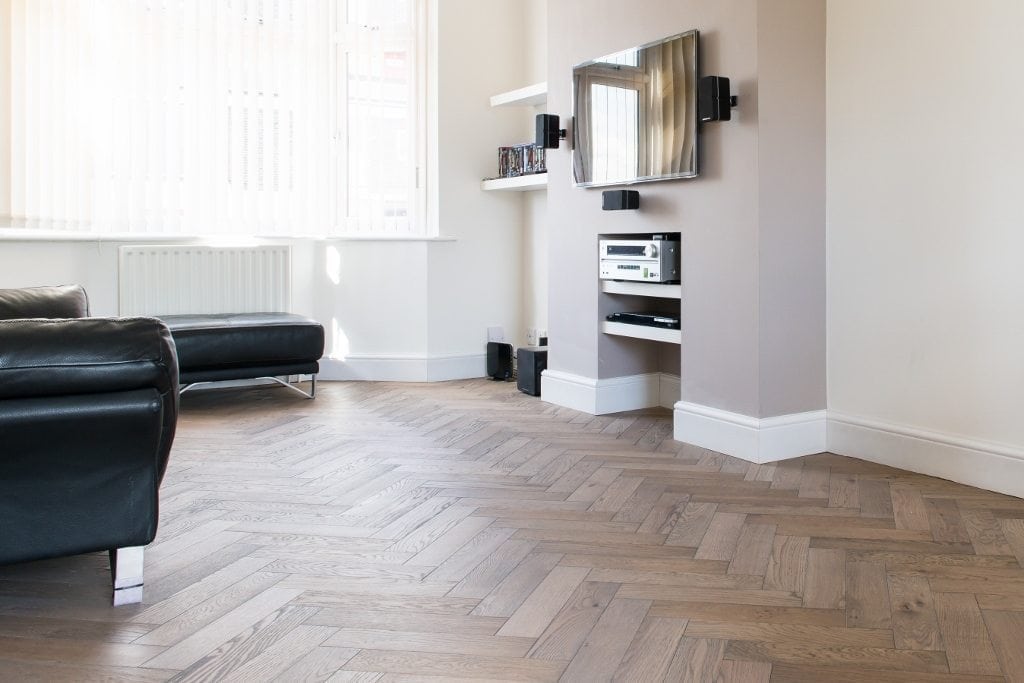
(465, 531)
(605, 646)
(650, 654)
(867, 596)
(968, 647)
(825, 586)
(914, 623)
(570, 627)
(1006, 630)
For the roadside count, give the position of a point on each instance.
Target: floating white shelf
(523, 183)
(651, 289)
(531, 95)
(642, 332)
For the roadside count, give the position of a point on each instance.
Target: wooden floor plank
(696, 660)
(692, 524)
(605, 646)
(968, 647)
(858, 658)
(1007, 632)
(573, 623)
(457, 666)
(533, 616)
(825, 586)
(753, 549)
(867, 595)
(719, 543)
(650, 654)
(914, 623)
(808, 636)
(786, 569)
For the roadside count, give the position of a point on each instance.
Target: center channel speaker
(620, 200)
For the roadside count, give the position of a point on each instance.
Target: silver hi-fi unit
(649, 259)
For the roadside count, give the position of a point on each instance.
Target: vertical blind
(198, 117)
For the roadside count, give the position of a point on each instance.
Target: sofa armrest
(63, 357)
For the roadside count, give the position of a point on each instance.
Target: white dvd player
(640, 260)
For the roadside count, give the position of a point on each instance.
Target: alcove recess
(656, 349)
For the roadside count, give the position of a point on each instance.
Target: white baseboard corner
(991, 466)
(612, 395)
(750, 438)
(403, 368)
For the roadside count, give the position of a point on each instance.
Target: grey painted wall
(753, 268)
(791, 157)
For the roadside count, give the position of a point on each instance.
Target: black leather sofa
(88, 408)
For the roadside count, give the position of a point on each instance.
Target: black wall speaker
(619, 200)
(714, 103)
(548, 132)
(532, 361)
(499, 361)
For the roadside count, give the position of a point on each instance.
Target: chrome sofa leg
(126, 571)
(310, 394)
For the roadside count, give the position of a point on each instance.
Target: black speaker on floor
(499, 361)
(620, 200)
(532, 360)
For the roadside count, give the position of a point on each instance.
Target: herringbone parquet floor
(395, 532)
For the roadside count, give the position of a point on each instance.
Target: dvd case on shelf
(517, 160)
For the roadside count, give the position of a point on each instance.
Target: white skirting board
(403, 368)
(612, 395)
(995, 467)
(749, 438)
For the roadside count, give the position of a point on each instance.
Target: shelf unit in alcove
(644, 289)
(530, 96)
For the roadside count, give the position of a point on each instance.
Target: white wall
(475, 282)
(535, 204)
(5, 108)
(925, 283)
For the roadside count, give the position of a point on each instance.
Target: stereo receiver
(640, 260)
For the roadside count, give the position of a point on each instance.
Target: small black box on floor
(499, 361)
(531, 360)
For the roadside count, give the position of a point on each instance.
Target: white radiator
(164, 280)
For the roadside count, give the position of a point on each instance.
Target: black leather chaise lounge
(214, 347)
(88, 408)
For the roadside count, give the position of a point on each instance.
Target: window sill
(8, 234)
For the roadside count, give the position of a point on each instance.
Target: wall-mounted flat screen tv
(635, 114)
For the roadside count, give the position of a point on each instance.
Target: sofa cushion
(65, 301)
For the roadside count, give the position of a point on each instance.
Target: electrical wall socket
(496, 334)
(531, 336)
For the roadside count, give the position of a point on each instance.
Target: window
(204, 117)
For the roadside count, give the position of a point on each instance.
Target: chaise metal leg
(312, 390)
(310, 394)
(126, 572)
